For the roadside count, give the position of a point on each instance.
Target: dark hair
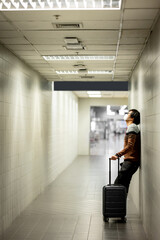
(136, 115)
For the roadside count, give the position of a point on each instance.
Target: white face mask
(125, 117)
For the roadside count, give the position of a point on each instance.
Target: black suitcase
(114, 199)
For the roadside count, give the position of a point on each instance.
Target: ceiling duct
(67, 25)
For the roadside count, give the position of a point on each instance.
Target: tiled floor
(71, 208)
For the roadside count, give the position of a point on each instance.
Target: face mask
(125, 117)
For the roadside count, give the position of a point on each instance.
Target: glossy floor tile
(71, 208)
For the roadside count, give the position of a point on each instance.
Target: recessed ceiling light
(100, 72)
(59, 4)
(84, 71)
(77, 57)
(67, 72)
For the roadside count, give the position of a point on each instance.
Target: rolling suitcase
(114, 199)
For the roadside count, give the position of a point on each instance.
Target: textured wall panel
(145, 96)
(38, 135)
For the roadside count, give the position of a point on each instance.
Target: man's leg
(125, 174)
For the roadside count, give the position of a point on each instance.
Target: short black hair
(136, 115)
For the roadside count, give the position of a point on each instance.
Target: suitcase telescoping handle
(110, 170)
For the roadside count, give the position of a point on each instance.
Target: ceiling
(104, 94)
(120, 33)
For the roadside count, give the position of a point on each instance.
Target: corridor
(70, 208)
(60, 61)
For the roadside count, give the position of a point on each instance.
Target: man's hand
(114, 157)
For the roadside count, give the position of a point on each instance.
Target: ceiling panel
(132, 41)
(129, 51)
(105, 94)
(137, 24)
(26, 53)
(68, 15)
(40, 65)
(6, 26)
(10, 34)
(19, 47)
(99, 64)
(31, 34)
(142, 4)
(48, 25)
(130, 47)
(135, 33)
(124, 62)
(49, 41)
(31, 57)
(1, 17)
(127, 57)
(51, 47)
(58, 36)
(81, 52)
(35, 61)
(138, 14)
(15, 41)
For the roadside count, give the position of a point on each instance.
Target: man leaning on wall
(131, 150)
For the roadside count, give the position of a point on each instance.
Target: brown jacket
(131, 150)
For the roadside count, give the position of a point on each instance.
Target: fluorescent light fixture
(10, 5)
(67, 72)
(77, 58)
(83, 71)
(100, 72)
(93, 92)
(95, 96)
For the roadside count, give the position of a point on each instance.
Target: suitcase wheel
(124, 219)
(105, 219)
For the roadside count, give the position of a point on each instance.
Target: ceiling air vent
(85, 77)
(79, 66)
(82, 71)
(67, 25)
(74, 47)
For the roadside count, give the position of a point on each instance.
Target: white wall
(84, 105)
(145, 96)
(38, 135)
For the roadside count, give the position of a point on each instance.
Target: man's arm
(129, 146)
